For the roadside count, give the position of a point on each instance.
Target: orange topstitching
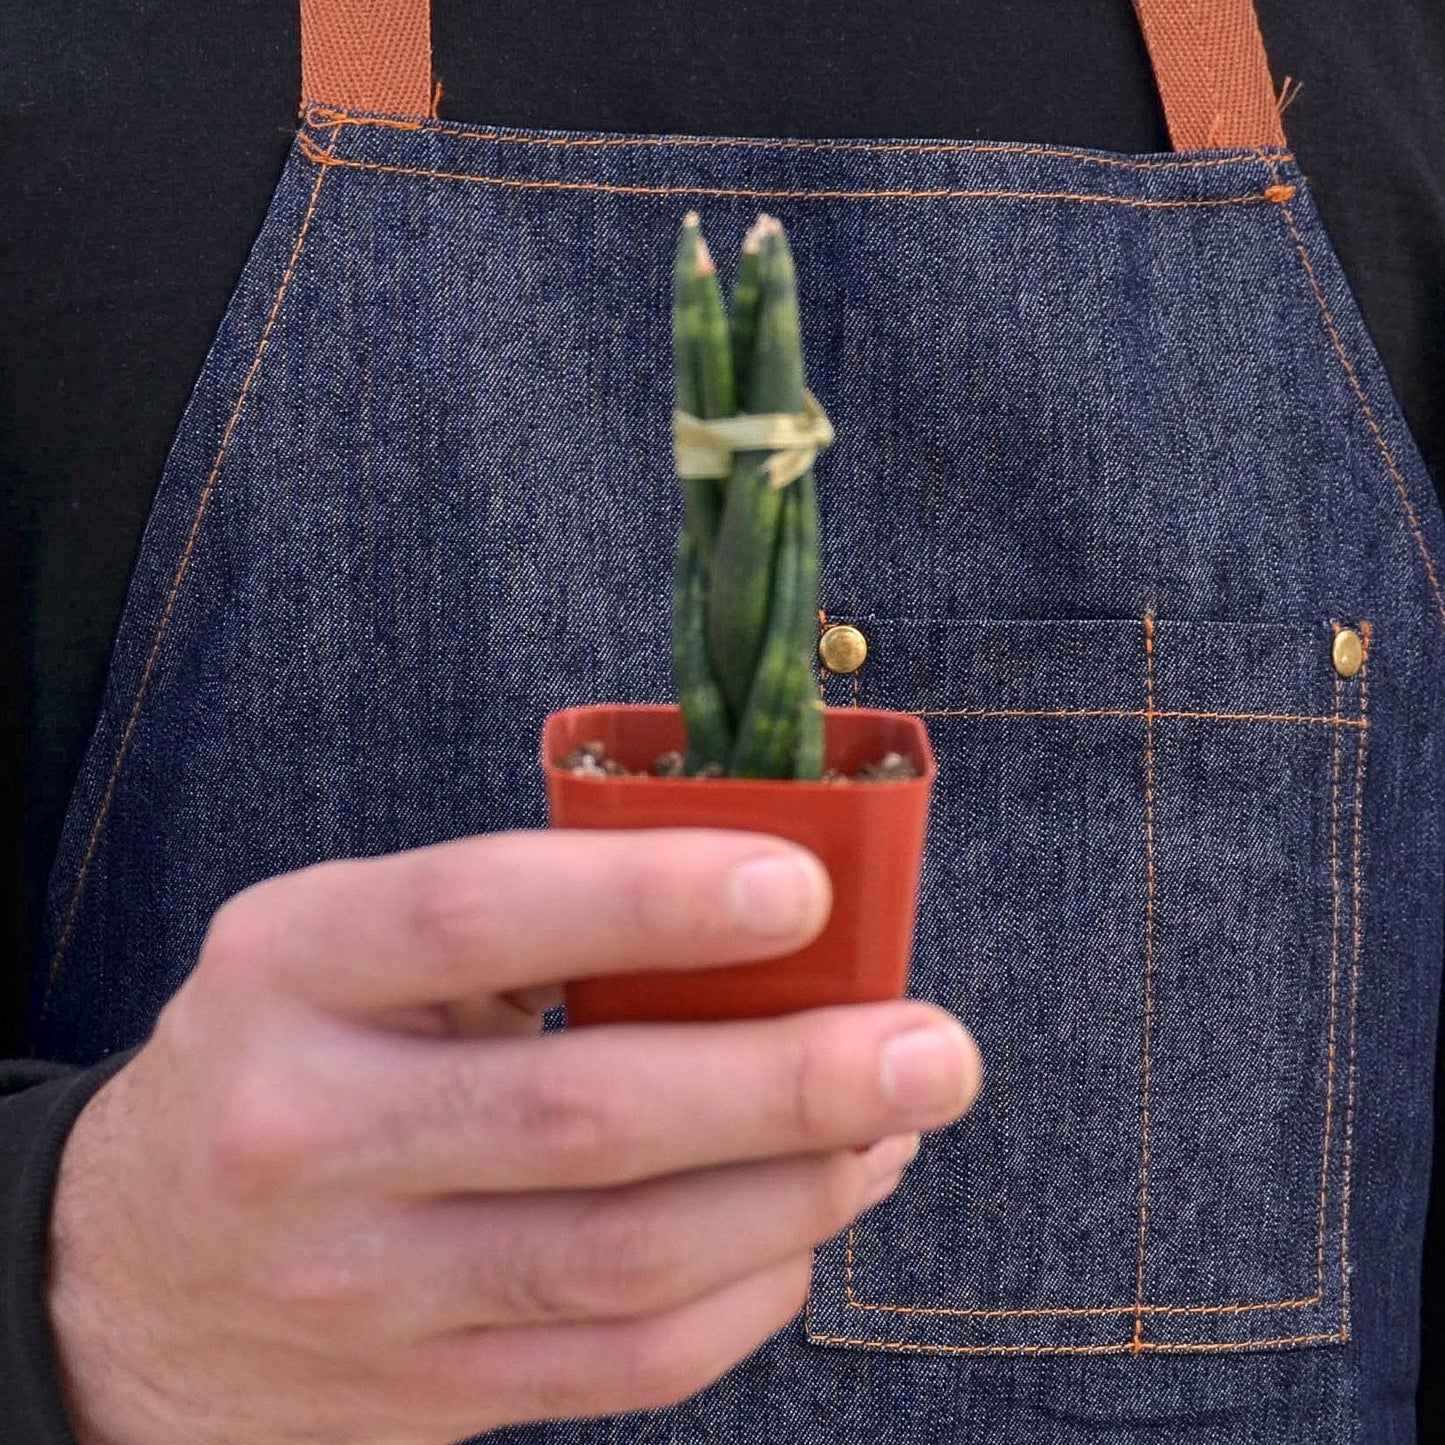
(1376, 431)
(327, 118)
(1356, 941)
(1149, 891)
(1121, 1347)
(1137, 1344)
(325, 158)
(1334, 982)
(1147, 1347)
(181, 569)
(1135, 712)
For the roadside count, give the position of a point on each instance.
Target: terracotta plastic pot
(869, 836)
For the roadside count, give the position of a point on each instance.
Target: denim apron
(1124, 507)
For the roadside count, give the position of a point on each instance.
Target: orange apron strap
(1208, 58)
(370, 55)
(1213, 76)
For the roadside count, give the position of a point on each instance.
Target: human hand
(316, 1208)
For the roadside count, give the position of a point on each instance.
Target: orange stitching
(182, 568)
(1080, 1312)
(1277, 194)
(1334, 984)
(1148, 973)
(1162, 1347)
(1356, 940)
(1137, 1344)
(1103, 712)
(323, 117)
(1126, 1347)
(1388, 456)
(323, 158)
(1267, 161)
(326, 118)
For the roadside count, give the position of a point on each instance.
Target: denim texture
(1116, 458)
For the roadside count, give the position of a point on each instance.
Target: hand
(311, 1210)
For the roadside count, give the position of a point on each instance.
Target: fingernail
(890, 1157)
(779, 895)
(926, 1072)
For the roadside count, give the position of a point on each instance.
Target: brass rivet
(1349, 652)
(843, 649)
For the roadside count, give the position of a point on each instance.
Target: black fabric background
(140, 141)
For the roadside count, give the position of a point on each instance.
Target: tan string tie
(705, 448)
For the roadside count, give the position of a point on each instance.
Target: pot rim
(913, 723)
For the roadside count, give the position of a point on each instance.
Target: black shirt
(141, 140)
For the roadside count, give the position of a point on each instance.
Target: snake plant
(745, 596)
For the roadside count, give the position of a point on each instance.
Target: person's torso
(1118, 475)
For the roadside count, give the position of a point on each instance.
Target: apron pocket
(1141, 893)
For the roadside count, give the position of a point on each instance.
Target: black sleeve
(39, 1103)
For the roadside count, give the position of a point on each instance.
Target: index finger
(514, 910)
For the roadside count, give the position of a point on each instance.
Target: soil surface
(591, 760)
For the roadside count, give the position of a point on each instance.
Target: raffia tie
(705, 448)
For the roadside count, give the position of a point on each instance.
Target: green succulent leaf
(746, 587)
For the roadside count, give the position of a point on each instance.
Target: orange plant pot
(869, 836)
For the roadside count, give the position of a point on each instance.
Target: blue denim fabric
(1116, 457)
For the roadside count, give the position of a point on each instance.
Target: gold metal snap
(1348, 652)
(842, 648)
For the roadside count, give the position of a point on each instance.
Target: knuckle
(610, 1267)
(624, 1262)
(312, 1289)
(653, 909)
(570, 1121)
(264, 1134)
(451, 911)
(266, 922)
(535, 1289)
(450, 1096)
(803, 1089)
(237, 936)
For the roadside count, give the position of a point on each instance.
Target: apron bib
(1117, 466)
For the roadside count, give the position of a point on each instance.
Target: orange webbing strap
(1208, 59)
(1212, 72)
(367, 55)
